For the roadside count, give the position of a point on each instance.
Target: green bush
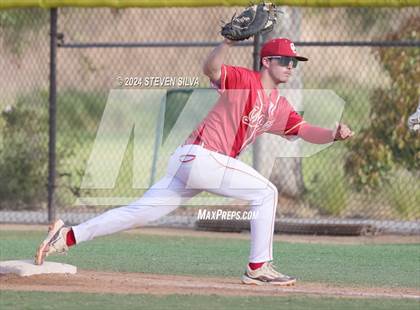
(328, 193)
(24, 146)
(78, 117)
(23, 155)
(387, 144)
(406, 204)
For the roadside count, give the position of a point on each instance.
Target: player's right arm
(213, 64)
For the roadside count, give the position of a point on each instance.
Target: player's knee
(269, 193)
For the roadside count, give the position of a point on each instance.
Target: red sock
(70, 239)
(254, 266)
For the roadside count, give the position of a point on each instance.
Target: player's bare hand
(342, 132)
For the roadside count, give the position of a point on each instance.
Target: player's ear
(264, 62)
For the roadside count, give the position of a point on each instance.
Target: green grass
(357, 265)
(36, 300)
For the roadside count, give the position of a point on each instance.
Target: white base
(28, 268)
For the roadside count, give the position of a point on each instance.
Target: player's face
(280, 68)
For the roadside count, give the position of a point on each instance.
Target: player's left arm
(320, 135)
(295, 125)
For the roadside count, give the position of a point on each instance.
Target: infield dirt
(141, 283)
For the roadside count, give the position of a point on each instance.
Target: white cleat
(55, 242)
(267, 275)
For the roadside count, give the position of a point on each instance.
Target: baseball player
(249, 105)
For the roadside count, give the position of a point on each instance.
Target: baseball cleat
(266, 275)
(55, 242)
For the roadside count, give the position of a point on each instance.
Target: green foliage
(406, 204)
(78, 117)
(14, 24)
(23, 156)
(387, 143)
(24, 146)
(328, 193)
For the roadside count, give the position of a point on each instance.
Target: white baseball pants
(191, 170)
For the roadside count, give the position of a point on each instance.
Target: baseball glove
(258, 18)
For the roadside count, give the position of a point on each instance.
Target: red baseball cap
(280, 47)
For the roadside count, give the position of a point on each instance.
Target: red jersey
(243, 112)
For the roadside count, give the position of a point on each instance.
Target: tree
(387, 143)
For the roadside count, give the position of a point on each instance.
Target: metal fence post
(256, 51)
(256, 67)
(52, 116)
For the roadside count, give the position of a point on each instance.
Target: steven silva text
(220, 214)
(159, 81)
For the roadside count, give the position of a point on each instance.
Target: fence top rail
(9, 4)
(242, 44)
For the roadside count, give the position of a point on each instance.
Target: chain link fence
(100, 49)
